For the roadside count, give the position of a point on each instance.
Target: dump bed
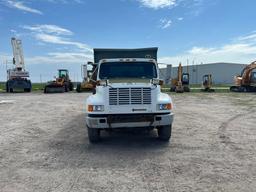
(125, 53)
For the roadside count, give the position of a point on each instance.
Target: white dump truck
(128, 93)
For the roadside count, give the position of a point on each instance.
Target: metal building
(222, 73)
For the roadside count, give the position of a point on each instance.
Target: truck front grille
(129, 96)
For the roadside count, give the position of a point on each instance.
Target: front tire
(165, 132)
(93, 135)
(7, 88)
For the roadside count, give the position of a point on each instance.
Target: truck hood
(129, 81)
(117, 83)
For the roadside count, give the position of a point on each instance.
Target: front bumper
(101, 121)
(19, 84)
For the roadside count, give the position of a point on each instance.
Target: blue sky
(62, 33)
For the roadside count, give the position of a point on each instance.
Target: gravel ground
(44, 147)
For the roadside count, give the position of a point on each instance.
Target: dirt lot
(44, 147)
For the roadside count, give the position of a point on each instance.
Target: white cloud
(54, 29)
(157, 4)
(251, 37)
(165, 23)
(21, 6)
(60, 58)
(65, 1)
(240, 51)
(53, 34)
(61, 41)
(70, 55)
(180, 19)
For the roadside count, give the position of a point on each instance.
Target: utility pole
(187, 65)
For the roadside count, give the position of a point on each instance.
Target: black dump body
(149, 53)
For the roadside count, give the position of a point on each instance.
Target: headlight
(95, 108)
(167, 106)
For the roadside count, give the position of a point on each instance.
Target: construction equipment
(17, 78)
(207, 83)
(181, 83)
(61, 84)
(89, 78)
(246, 82)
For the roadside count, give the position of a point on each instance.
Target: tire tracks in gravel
(222, 130)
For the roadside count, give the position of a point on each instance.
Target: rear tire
(93, 135)
(66, 88)
(78, 88)
(186, 89)
(45, 90)
(71, 86)
(165, 132)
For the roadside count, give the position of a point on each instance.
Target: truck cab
(128, 95)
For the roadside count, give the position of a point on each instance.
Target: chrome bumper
(128, 120)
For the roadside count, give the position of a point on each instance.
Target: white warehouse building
(222, 73)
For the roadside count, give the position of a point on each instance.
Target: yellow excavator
(207, 83)
(89, 78)
(181, 83)
(246, 82)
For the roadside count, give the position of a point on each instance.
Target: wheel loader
(61, 84)
(89, 78)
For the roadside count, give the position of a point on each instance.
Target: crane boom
(18, 58)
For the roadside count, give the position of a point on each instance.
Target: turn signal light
(169, 106)
(90, 108)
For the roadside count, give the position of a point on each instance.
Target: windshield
(62, 73)
(111, 70)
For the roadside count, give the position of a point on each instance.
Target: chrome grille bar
(129, 96)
